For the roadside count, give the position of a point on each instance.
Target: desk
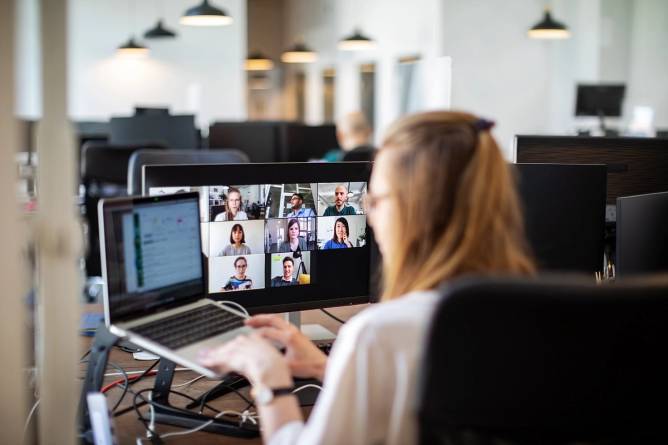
(128, 427)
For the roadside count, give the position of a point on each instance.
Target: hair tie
(483, 124)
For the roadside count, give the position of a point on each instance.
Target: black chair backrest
(541, 361)
(177, 132)
(104, 172)
(301, 143)
(172, 157)
(258, 139)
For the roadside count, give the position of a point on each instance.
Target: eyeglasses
(371, 201)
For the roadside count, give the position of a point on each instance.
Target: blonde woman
(442, 175)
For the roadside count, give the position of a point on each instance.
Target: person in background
(286, 279)
(298, 210)
(237, 244)
(239, 281)
(233, 210)
(443, 205)
(294, 242)
(340, 239)
(354, 135)
(340, 207)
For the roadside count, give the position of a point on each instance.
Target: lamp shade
(257, 61)
(159, 32)
(205, 15)
(299, 53)
(356, 42)
(132, 48)
(548, 28)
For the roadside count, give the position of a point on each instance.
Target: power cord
(235, 305)
(332, 316)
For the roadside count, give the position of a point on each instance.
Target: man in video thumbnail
(286, 279)
(239, 281)
(340, 199)
(297, 202)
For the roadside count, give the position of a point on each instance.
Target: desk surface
(128, 427)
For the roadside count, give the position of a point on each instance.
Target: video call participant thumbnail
(340, 240)
(237, 244)
(233, 210)
(294, 241)
(286, 279)
(298, 210)
(239, 281)
(340, 206)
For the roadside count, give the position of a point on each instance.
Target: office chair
(171, 157)
(104, 172)
(543, 362)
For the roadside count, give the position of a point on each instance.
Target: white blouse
(369, 392)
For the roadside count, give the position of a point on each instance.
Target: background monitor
(635, 166)
(564, 211)
(254, 201)
(642, 234)
(599, 100)
(170, 131)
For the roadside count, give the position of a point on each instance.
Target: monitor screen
(642, 235)
(279, 237)
(151, 253)
(599, 100)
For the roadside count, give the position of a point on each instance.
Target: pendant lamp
(159, 32)
(548, 28)
(299, 53)
(356, 42)
(205, 14)
(132, 48)
(256, 61)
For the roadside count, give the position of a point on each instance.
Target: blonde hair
(449, 179)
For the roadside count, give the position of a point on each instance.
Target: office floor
(128, 427)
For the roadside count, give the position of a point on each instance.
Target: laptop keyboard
(190, 327)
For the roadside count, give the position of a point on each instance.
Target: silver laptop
(155, 290)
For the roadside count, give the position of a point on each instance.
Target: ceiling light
(299, 53)
(549, 28)
(159, 32)
(132, 49)
(205, 15)
(257, 61)
(356, 42)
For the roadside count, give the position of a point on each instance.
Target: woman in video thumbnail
(444, 205)
(237, 244)
(340, 239)
(294, 242)
(287, 279)
(233, 210)
(239, 281)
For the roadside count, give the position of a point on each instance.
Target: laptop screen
(152, 254)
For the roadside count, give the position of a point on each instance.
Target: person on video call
(237, 244)
(298, 209)
(443, 206)
(233, 210)
(239, 281)
(340, 239)
(286, 279)
(340, 206)
(294, 242)
(353, 133)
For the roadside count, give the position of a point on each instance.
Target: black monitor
(151, 111)
(292, 261)
(642, 234)
(600, 100)
(636, 166)
(564, 210)
(171, 131)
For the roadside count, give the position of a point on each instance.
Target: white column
(59, 240)
(12, 326)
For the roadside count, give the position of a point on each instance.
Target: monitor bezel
(202, 175)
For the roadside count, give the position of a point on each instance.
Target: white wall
(28, 60)
(201, 71)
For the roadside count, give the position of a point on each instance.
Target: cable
(235, 304)
(244, 416)
(188, 383)
(310, 385)
(332, 316)
(126, 385)
(27, 424)
(205, 396)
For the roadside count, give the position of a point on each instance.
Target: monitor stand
(313, 331)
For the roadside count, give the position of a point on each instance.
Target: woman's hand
(303, 357)
(252, 356)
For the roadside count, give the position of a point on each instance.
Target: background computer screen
(601, 99)
(279, 237)
(642, 234)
